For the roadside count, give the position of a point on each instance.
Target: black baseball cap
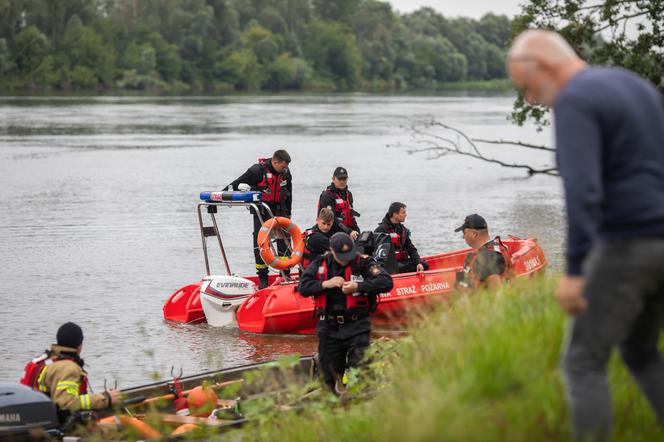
(343, 246)
(473, 221)
(340, 172)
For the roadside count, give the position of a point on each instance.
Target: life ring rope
(266, 252)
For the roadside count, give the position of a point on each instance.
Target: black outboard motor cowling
(26, 414)
(379, 247)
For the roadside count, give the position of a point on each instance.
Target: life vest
(270, 185)
(357, 302)
(34, 372)
(467, 275)
(398, 241)
(307, 256)
(342, 205)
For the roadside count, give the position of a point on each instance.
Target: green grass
(482, 368)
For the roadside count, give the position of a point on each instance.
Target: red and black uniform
(341, 202)
(276, 189)
(407, 256)
(344, 326)
(492, 258)
(316, 243)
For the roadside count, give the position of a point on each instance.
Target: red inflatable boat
(224, 299)
(280, 309)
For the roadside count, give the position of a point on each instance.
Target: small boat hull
(184, 305)
(279, 309)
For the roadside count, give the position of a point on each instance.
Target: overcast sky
(464, 8)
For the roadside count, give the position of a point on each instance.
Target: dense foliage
(220, 45)
(628, 33)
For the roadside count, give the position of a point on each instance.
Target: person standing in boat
(317, 238)
(408, 259)
(609, 130)
(345, 286)
(59, 374)
(338, 198)
(488, 263)
(271, 177)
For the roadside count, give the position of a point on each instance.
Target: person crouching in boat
(317, 237)
(59, 374)
(408, 259)
(345, 286)
(488, 263)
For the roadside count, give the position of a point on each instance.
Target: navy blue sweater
(609, 126)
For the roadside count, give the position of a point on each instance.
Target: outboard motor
(379, 247)
(221, 295)
(26, 414)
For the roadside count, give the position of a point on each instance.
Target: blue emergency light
(231, 196)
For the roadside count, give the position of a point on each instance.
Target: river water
(98, 197)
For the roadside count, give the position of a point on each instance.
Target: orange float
(143, 429)
(263, 242)
(185, 428)
(202, 400)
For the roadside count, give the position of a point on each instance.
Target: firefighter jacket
(65, 381)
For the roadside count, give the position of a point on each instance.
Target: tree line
(244, 45)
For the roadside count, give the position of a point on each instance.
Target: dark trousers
(282, 248)
(339, 347)
(625, 295)
(410, 266)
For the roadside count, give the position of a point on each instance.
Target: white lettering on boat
(410, 290)
(6, 418)
(385, 295)
(228, 285)
(435, 287)
(532, 263)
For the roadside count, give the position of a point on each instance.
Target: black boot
(262, 280)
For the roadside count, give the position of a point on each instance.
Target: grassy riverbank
(482, 368)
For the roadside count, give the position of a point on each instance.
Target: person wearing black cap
(489, 261)
(271, 177)
(408, 259)
(59, 374)
(338, 198)
(345, 286)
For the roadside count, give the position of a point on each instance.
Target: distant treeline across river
(229, 45)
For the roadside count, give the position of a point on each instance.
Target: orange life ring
(263, 242)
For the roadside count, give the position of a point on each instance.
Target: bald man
(609, 127)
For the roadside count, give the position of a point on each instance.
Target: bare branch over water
(438, 139)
